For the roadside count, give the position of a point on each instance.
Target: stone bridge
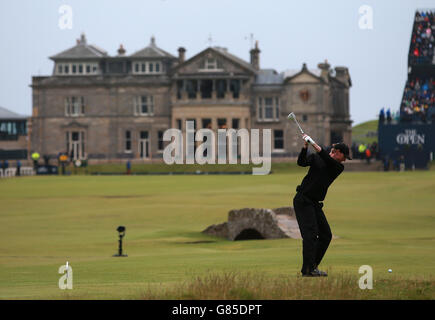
(252, 223)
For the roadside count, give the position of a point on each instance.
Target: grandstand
(412, 137)
(418, 100)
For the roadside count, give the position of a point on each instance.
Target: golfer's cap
(343, 148)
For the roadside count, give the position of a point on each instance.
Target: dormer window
(147, 67)
(210, 64)
(71, 68)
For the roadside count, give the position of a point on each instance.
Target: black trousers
(315, 231)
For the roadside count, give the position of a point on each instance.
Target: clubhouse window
(235, 123)
(76, 69)
(278, 140)
(74, 106)
(222, 123)
(235, 88)
(191, 88)
(206, 123)
(144, 105)
(128, 141)
(206, 87)
(180, 86)
(144, 67)
(179, 124)
(221, 88)
(268, 108)
(160, 141)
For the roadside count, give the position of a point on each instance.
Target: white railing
(27, 171)
(12, 172)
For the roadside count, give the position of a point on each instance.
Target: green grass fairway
(383, 219)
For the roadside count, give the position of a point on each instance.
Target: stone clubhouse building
(107, 108)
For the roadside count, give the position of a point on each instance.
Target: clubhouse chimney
(121, 50)
(181, 55)
(342, 74)
(324, 70)
(255, 56)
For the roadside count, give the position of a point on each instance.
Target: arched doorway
(249, 234)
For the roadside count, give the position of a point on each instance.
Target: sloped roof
(7, 114)
(223, 52)
(268, 77)
(152, 51)
(292, 72)
(81, 50)
(230, 56)
(271, 77)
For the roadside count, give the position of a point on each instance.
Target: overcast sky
(289, 34)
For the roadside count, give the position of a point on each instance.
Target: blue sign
(47, 170)
(413, 143)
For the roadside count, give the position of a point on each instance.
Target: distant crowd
(422, 42)
(388, 116)
(367, 151)
(418, 102)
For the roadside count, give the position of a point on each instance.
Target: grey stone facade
(104, 108)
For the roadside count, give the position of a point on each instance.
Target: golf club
(293, 117)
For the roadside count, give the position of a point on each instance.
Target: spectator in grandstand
(422, 40)
(418, 100)
(388, 116)
(382, 116)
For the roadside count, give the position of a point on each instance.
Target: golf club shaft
(302, 131)
(293, 117)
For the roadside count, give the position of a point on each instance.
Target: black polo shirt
(323, 171)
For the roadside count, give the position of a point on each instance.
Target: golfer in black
(315, 231)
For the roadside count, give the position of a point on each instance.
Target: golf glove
(309, 140)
